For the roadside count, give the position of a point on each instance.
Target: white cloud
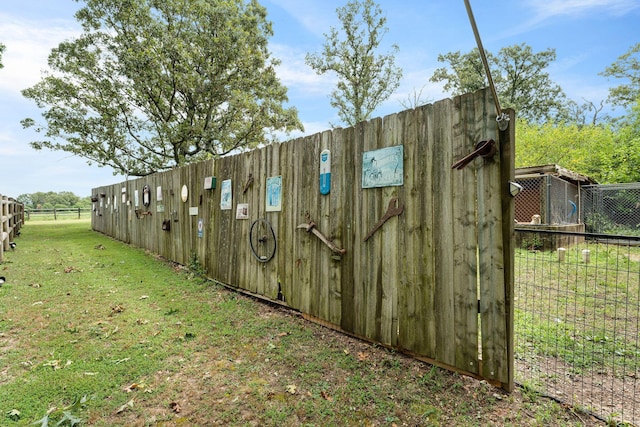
(295, 74)
(547, 8)
(28, 44)
(541, 11)
(315, 16)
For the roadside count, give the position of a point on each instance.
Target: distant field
(57, 214)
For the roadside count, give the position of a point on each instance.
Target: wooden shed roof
(554, 170)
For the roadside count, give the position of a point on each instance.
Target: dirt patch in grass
(600, 390)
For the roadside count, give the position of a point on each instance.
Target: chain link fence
(612, 209)
(555, 200)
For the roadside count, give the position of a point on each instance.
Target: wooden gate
(435, 280)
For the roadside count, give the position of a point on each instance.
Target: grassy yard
(95, 332)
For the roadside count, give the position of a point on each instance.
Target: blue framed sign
(274, 194)
(383, 167)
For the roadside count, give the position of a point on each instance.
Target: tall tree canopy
(586, 149)
(626, 154)
(365, 79)
(152, 84)
(2, 47)
(626, 67)
(50, 199)
(519, 75)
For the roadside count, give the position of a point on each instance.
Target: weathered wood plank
(388, 237)
(373, 208)
(257, 211)
(465, 242)
(443, 232)
(490, 242)
(337, 218)
(322, 258)
(345, 181)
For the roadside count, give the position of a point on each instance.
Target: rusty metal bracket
(140, 213)
(248, 183)
(484, 149)
(392, 210)
(311, 228)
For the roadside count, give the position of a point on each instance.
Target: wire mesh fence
(612, 208)
(577, 318)
(554, 200)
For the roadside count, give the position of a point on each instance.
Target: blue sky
(588, 36)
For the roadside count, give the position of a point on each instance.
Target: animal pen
(369, 229)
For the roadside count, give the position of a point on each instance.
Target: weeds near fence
(577, 323)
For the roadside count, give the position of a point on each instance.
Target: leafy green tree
(26, 200)
(625, 159)
(520, 76)
(464, 73)
(63, 199)
(626, 67)
(2, 48)
(588, 149)
(365, 79)
(151, 85)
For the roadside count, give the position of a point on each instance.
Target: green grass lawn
(95, 332)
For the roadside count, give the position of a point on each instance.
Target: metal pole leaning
(503, 118)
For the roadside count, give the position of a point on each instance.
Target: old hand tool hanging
(483, 149)
(392, 210)
(311, 228)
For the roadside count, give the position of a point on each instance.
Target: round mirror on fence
(262, 240)
(146, 195)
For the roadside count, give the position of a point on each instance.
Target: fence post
(2, 227)
(54, 214)
(561, 254)
(78, 213)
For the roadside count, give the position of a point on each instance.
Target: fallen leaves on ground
(124, 407)
(116, 309)
(325, 396)
(56, 364)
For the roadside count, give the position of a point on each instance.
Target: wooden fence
(57, 213)
(12, 218)
(434, 281)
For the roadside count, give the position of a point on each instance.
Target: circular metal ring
(262, 239)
